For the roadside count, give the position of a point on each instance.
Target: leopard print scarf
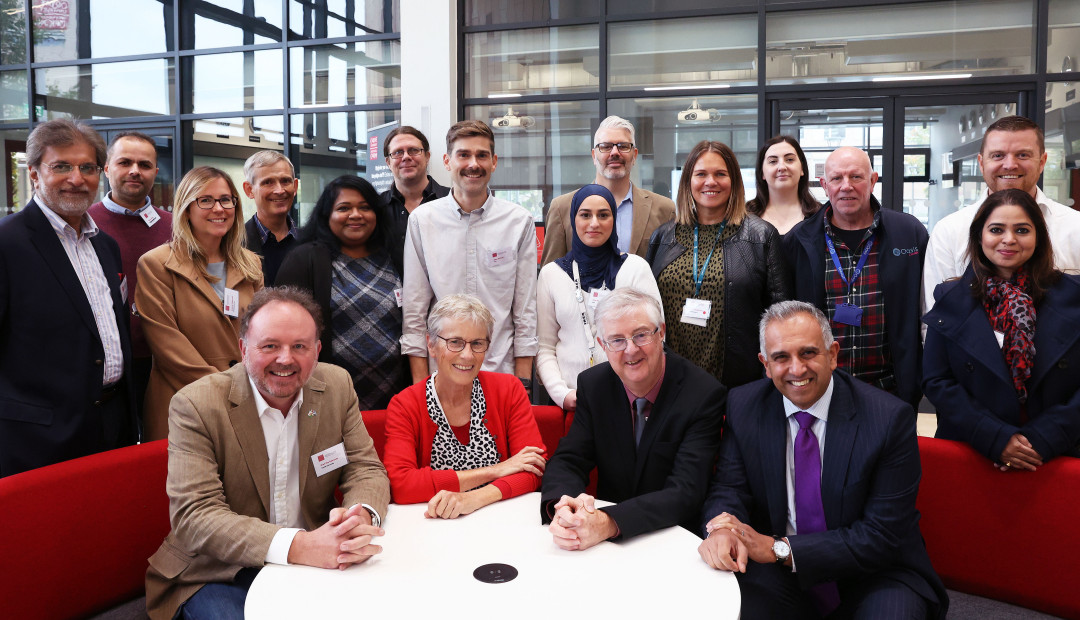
(1012, 312)
(449, 453)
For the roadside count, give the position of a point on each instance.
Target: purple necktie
(809, 512)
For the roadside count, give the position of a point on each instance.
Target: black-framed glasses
(412, 151)
(640, 339)
(624, 147)
(207, 202)
(65, 168)
(458, 344)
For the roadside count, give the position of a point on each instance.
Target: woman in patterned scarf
(463, 438)
(344, 260)
(1000, 340)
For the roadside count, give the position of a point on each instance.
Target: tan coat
(650, 212)
(219, 481)
(186, 328)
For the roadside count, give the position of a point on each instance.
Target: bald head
(849, 183)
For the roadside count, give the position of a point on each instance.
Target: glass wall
(213, 80)
(914, 82)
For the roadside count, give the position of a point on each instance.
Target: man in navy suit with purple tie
(813, 501)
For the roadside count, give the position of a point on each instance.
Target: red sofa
(75, 536)
(1008, 536)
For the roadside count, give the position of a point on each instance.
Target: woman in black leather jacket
(714, 297)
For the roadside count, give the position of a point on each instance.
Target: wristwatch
(376, 520)
(781, 549)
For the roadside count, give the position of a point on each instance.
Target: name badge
(696, 312)
(498, 257)
(596, 295)
(329, 459)
(150, 216)
(397, 297)
(232, 302)
(848, 314)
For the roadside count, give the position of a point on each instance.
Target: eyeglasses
(412, 151)
(207, 202)
(624, 147)
(640, 339)
(65, 168)
(458, 344)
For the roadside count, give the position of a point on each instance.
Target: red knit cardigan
(410, 432)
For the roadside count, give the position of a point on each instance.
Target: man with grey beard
(65, 353)
(639, 212)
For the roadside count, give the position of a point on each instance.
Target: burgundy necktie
(809, 512)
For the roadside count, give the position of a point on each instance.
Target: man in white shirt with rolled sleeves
(474, 243)
(1013, 156)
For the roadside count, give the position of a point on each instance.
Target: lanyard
(584, 315)
(858, 267)
(700, 277)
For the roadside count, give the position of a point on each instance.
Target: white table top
(426, 567)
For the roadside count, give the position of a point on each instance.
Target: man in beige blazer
(231, 513)
(640, 212)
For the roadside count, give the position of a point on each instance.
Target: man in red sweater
(127, 215)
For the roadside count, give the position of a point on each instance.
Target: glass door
(165, 144)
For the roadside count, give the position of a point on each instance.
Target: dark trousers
(220, 601)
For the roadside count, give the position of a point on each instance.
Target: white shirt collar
(263, 407)
(819, 409)
(59, 224)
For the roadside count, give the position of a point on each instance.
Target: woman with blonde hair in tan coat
(193, 290)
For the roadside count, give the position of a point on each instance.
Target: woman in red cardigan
(463, 438)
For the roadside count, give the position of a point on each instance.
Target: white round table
(426, 571)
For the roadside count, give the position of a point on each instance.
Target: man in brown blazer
(231, 512)
(639, 213)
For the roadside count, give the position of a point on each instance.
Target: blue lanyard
(858, 267)
(700, 277)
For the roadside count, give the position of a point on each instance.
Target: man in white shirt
(1013, 156)
(255, 456)
(473, 243)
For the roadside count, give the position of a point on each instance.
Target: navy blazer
(662, 481)
(51, 357)
(902, 248)
(869, 481)
(968, 380)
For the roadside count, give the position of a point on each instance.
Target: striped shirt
(87, 267)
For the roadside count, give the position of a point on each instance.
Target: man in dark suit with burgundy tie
(649, 422)
(816, 487)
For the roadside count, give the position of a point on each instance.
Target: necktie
(639, 418)
(809, 512)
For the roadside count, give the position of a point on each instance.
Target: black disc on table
(495, 573)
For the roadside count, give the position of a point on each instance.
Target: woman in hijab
(570, 287)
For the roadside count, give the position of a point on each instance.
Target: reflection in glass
(1061, 177)
(346, 74)
(328, 145)
(229, 23)
(676, 54)
(105, 90)
(1063, 44)
(544, 153)
(13, 104)
(236, 81)
(820, 132)
(79, 29)
(332, 18)
(630, 7)
(12, 33)
(665, 135)
(488, 12)
(226, 143)
(16, 186)
(954, 39)
(532, 61)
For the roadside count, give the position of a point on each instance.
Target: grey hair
(614, 122)
(62, 132)
(458, 308)
(262, 159)
(621, 302)
(784, 310)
